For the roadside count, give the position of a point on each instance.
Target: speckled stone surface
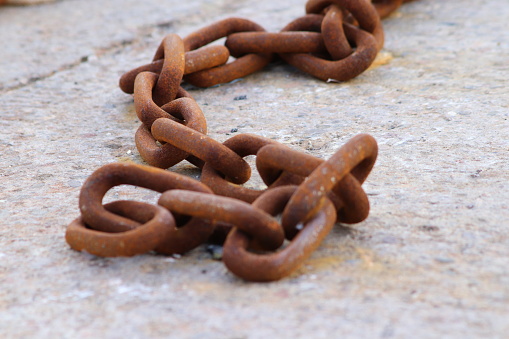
(431, 261)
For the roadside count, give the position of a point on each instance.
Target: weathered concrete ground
(431, 261)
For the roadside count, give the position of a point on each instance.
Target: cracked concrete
(430, 261)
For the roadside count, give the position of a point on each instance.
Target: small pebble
(215, 251)
(444, 260)
(476, 174)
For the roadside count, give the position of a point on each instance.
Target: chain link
(336, 40)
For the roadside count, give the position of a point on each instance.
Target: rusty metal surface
(156, 226)
(274, 266)
(283, 42)
(275, 161)
(241, 67)
(337, 70)
(195, 61)
(108, 176)
(264, 229)
(243, 145)
(357, 157)
(336, 40)
(101, 219)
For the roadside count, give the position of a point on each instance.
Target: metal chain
(336, 40)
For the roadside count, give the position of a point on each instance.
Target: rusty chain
(336, 40)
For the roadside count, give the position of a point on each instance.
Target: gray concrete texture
(431, 261)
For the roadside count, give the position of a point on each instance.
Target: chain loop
(357, 157)
(239, 68)
(283, 42)
(260, 225)
(146, 109)
(360, 11)
(156, 225)
(350, 201)
(204, 148)
(334, 34)
(243, 145)
(97, 217)
(171, 50)
(166, 155)
(108, 176)
(338, 70)
(274, 266)
(197, 60)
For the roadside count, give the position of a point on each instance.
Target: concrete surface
(431, 261)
